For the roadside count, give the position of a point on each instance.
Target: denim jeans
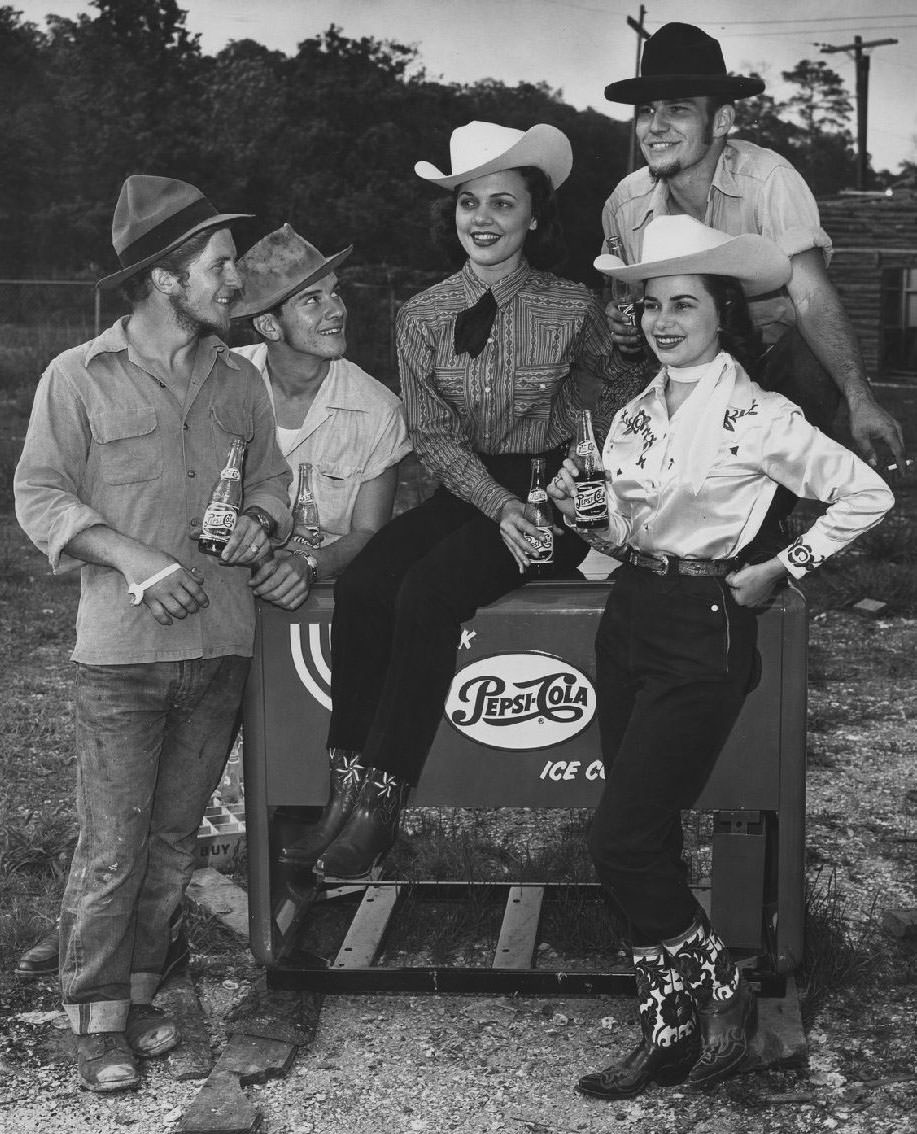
(675, 658)
(152, 739)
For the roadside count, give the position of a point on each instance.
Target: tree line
(325, 137)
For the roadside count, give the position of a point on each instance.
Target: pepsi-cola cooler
(519, 730)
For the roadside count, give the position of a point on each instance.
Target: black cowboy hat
(681, 61)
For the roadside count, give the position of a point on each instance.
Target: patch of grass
(838, 955)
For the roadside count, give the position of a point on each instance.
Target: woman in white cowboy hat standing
(693, 463)
(485, 360)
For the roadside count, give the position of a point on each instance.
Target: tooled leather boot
(347, 776)
(727, 1009)
(670, 1044)
(371, 830)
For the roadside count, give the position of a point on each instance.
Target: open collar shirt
(764, 441)
(110, 443)
(754, 190)
(353, 432)
(518, 395)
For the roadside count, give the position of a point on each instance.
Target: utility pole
(861, 63)
(642, 34)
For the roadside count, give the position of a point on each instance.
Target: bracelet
(302, 553)
(136, 590)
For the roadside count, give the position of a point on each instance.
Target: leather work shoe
(41, 960)
(150, 1031)
(726, 1027)
(105, 1063)
(646, 1064)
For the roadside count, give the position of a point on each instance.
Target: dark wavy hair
(544, 246)
(738, 335)
(178, 262)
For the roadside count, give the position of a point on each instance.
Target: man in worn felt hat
(128, 435)
(330, 413)
(685, 109)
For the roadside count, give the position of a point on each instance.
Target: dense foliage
(325, 137)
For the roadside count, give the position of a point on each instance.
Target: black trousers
(398, 610)
(675, 657)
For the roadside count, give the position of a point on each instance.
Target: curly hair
(738, 335)
(544, 246)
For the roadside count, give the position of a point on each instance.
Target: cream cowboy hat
(480, 148)
(682, 246)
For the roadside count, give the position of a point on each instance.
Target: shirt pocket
(231, 423)
(535, 388)
(129, 445)
(336, 485)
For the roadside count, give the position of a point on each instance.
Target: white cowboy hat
(484, 147)
(682, 246)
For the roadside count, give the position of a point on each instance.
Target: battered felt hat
(479, 148)
(277, 267)
(153, 216)
(681, 61)
(682, 246)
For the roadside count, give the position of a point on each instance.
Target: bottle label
(584, 448)
(542, 545)
(218, 521)
(230, 473)
(537, 496)
(589, 501)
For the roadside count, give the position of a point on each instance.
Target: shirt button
(192, 473)
(714, 608)
(488, 389)
(186, 426)
(195, 523)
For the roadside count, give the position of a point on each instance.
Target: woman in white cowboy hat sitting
(485, 360)
(693, 463)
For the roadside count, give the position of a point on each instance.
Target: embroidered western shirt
(764, 441)
(518, 395)
(353, 432)
(110, 443)
(754, 190)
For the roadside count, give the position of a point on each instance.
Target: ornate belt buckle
(660, 560)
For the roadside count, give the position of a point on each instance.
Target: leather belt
(661, 564)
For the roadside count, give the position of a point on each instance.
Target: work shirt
(517, 395)
(110, 443)
(754, 190)
(353, 432)
(763, 441)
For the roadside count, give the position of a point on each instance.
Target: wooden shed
(874, 268)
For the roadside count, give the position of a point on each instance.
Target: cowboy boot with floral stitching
(727, 1008)
(670, 1044)
(371, 830)
(347, 776)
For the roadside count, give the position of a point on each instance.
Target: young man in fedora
(128, 434)
(684, 101)
(329, 412)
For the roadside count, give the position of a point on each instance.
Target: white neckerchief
(700, 416)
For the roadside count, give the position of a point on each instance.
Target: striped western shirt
(518, 395)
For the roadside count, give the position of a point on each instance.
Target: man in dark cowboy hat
(684, 101)
(128, 434)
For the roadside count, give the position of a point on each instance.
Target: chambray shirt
(109, 443)
(764, 441)
(518, 395)
(754, 190)
(353, 432)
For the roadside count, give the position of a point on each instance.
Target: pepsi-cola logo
(520, 701)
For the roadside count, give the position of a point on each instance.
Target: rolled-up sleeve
(51, 470)
(788, 214)
(391, 444)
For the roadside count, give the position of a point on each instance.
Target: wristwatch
(264, 518)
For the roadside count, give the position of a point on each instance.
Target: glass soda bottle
(306, 526)
(225, 501)
(538, 512)
(590, 504)
(622, 292)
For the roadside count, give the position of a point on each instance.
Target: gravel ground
(404, 1064)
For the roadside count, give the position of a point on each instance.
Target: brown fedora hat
(277, 267)
(153, 216)
(681, 61)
